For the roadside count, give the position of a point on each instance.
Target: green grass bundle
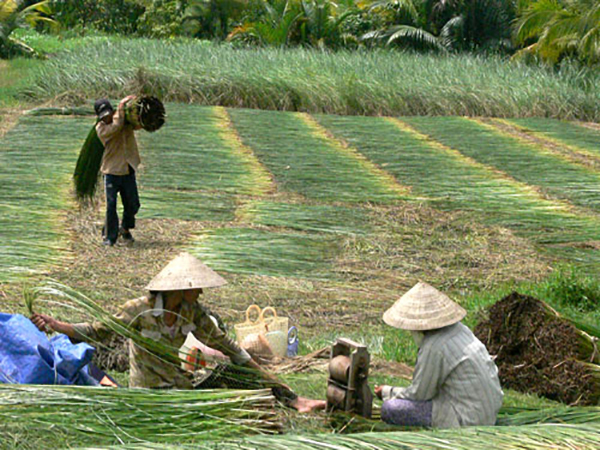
(531, 437)
(561, 414)
(87, 169)
(67, 416)
(146, 112)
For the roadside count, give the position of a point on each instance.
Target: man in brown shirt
(120, 161)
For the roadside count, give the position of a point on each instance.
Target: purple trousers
(407, 413)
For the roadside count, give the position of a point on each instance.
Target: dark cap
(103, 108)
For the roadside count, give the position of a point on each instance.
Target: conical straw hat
(423, 308)
(185, 272)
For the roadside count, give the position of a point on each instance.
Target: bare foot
(306, 405)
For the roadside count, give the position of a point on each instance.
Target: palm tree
(560, 28)
(15, 14)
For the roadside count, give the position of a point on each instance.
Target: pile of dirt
(536, 351)
(113, 356)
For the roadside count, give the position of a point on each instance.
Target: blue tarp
(27, 356)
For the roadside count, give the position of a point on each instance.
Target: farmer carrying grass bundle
(120, 162)
(455, 382)
(167, 315)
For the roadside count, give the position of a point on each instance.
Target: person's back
(469, 392)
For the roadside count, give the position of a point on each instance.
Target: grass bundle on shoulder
(88, 166)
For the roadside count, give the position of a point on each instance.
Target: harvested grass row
(190, 152)
(528, 437)
(561, 414)
(568, 152)
(261, 252)
(316, 218)
(201, 206)
(307, 163)
(101, 416)
(570, 133)
(452, 181)
(533, 165)
(381, 82)
(36, 159)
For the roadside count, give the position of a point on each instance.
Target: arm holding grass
(90, 332)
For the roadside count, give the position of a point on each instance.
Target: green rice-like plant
(554, 175)
(87, 169)
(570, 133)
(381, 83)
(450, 180)
(104, 416)
(303, 161)
(260, 252)
(317, 218)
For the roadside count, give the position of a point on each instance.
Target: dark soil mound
(536, 351)
(113, 356)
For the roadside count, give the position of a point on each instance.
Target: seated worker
(167, 315)
(455, 383)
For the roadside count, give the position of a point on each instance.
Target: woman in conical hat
(167, 315)
(455, 382)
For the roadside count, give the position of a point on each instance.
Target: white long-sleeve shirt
(456, 372)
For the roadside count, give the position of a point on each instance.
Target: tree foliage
(554, 29)
(16, 14)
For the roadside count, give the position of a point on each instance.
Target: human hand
(125, 100)
(43, 322)
(379, 391)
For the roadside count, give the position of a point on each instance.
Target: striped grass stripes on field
(261, 252)
(453, 181)
(317, 218)
(552, 174)
(571, 134)
(36, 161)
(304, 161)
(209, 206)
(193, 151)
(571, 153)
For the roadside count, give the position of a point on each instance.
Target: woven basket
(277, 330)
(245, 329)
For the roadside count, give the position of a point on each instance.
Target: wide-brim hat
(185, 272)
(423, 308)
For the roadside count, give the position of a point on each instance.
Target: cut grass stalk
(568, 133)
(574, 154)
(187, 205)
(191, 153)
(36, 160)
(317, 218)
(105, 416)
(453, 181)
(260, 252)
(554, 175)
(563, 414)
(527, 437)
(307, 163)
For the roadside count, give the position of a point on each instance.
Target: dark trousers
(127, 186)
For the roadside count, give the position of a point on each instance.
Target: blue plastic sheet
(27, 356)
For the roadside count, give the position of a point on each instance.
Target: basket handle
(268, 309)
(253, 308)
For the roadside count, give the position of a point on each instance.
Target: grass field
(328, 218)
(373, 82)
